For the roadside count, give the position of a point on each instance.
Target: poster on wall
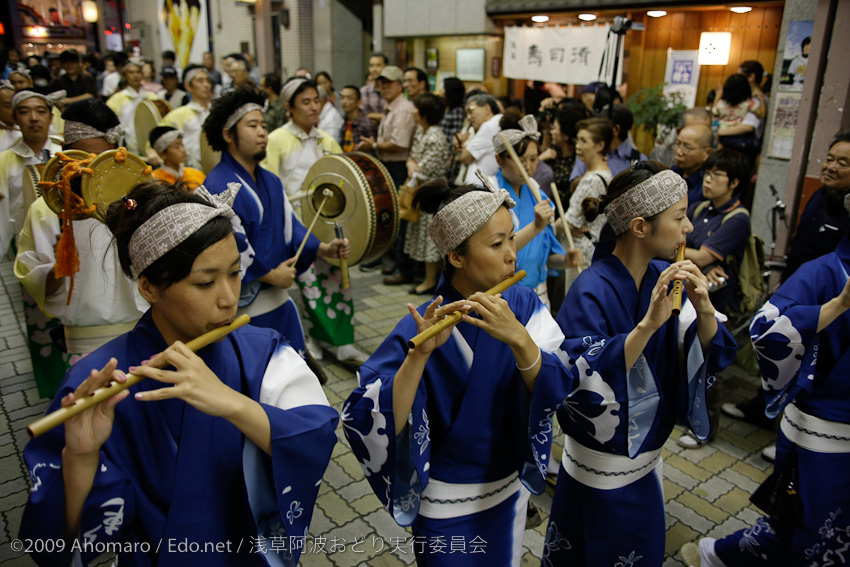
(183, 29)
(784, 124)
(470, 64)
(682, 75)
(562, 54)
(796, 56)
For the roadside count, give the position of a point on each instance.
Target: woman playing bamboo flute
(638, 370)
(226, 445)
(441, 430)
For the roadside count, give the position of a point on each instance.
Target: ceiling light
(540, 19)
(741, 9)
(656, 13)
(587, 17)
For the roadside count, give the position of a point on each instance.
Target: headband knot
(528, 130)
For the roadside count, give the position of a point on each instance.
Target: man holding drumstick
(272, 233)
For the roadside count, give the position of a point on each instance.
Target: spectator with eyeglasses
(692, 149)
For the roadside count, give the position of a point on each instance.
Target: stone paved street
(707, 489)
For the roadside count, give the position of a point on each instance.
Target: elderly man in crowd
(692, 148)
(189, 118)
(665, 150)
(373, 104)
(478, 151)
(32, 113)
(415, 82)
(395, 136)
(124, 104)
(239, 74)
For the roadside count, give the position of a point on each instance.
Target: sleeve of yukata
(784, 331)
(282, 487)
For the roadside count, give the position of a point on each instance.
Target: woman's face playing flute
(671, 230)
(205, 299)
(491, 255)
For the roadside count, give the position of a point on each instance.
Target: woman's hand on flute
(86, 433)
(495, 317)
(696, 285)
(336, 248)
(661, 301)
(435, 313)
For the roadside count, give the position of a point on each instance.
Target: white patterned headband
(191, 74)
(529, 130)
(163, 142)
(240, 112)
(646, 199)
(78, 131)
(165, 230)
(459, 220)
(289, 88)
(49, 100)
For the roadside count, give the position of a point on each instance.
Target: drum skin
(148, 116)
(364, 202)
(111, 180)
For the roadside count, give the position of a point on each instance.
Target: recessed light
(587, 17)
(540, 19)
(656, 13)
(741, 9)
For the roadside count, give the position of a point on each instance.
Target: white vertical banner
(562, 54)
(682, 75)
(183, 29)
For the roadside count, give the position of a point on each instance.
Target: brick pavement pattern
(707, 489)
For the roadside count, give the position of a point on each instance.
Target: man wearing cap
(167, 142)
(75, 82)
(171, 92)
(10, 134)
(105, 303)
(125, 102)
(395, 136)
(623, 153)
(31, 112)
(189, 118)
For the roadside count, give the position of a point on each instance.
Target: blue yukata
(609, 507)
(534, 255)
(270, 233)
(458, 472)
(804, 378)
(170, 473)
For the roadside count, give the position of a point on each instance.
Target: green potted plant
(653, 109)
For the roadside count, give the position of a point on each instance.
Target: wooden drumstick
(560, 207)
(450, 320)
(62, 415)
(343, 262)
(327, 193)
(678, 285)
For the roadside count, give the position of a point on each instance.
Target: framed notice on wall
(470, 64)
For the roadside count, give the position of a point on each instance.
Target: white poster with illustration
(562, 54)
(682, 75)
(183, 29)
(796, 57)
